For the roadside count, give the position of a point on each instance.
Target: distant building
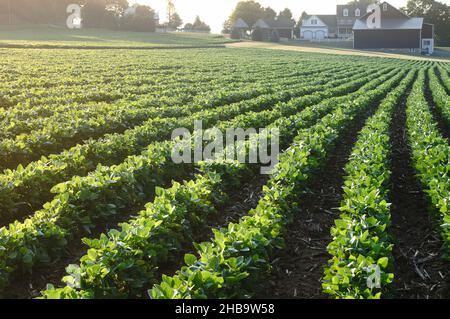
(346, 15)
(284, 27)
(396, 31)
(318, 27)
(241, 27)
(340, 25)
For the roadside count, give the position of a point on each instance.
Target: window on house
(357, 13)
(385, 7)
(345, 12)
(314, 21)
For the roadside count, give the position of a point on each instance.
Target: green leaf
(383, 262)
(190, 259)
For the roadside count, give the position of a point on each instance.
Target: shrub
(235, 34)
(142, 21)
(257, 35)
(274, 36)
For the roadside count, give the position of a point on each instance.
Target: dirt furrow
(298, 269)
(419, 271)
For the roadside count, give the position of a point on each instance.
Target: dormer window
(345, 12)
(385, 7)
(357, 13)
(313, 21)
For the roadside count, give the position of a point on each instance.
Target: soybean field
(92, 204)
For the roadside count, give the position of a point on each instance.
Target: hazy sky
(215, 12)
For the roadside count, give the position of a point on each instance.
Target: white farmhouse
(318, 27)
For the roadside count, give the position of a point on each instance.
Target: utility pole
(170, 10)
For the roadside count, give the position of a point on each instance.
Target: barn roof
(240, 24)
(391, 24)
(394, 12)
(329, 19)
(275, 23)
(351, 9)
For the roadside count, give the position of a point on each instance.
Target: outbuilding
(282, 26)
(394, 30)
(240, 27)
(318, 27)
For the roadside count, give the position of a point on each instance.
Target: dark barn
(284, 28)
(387, 39)
(397, 31)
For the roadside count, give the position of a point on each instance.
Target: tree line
(432, 11)
(110, 14)
(252, 11)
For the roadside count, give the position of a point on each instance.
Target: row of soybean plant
(84, 202)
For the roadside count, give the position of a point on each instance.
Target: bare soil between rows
(298, 269)
(239, 203)
(419, 271)
(30, 285)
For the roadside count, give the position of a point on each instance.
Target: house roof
(389, 24)
(240, 24)
(329, 19)
(398, 13)
(351, 10)
(391, 19)
(275, 23)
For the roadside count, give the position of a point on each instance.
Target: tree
(142, 21)
(249, 11)
(175, 21)
(34, 11)
(257, 35)
(285, 14)
(274, 36)
(433, 12)
(227, 27)
(299, 24)
(199, 25)
(174, 18)
(4, 12)
(94, 14)
(117, 7)
(362, 2)
(269, 13)
(235, 34)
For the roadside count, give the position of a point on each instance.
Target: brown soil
(29, 285)
(298, 269)
(240, 202)
(419, 271)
